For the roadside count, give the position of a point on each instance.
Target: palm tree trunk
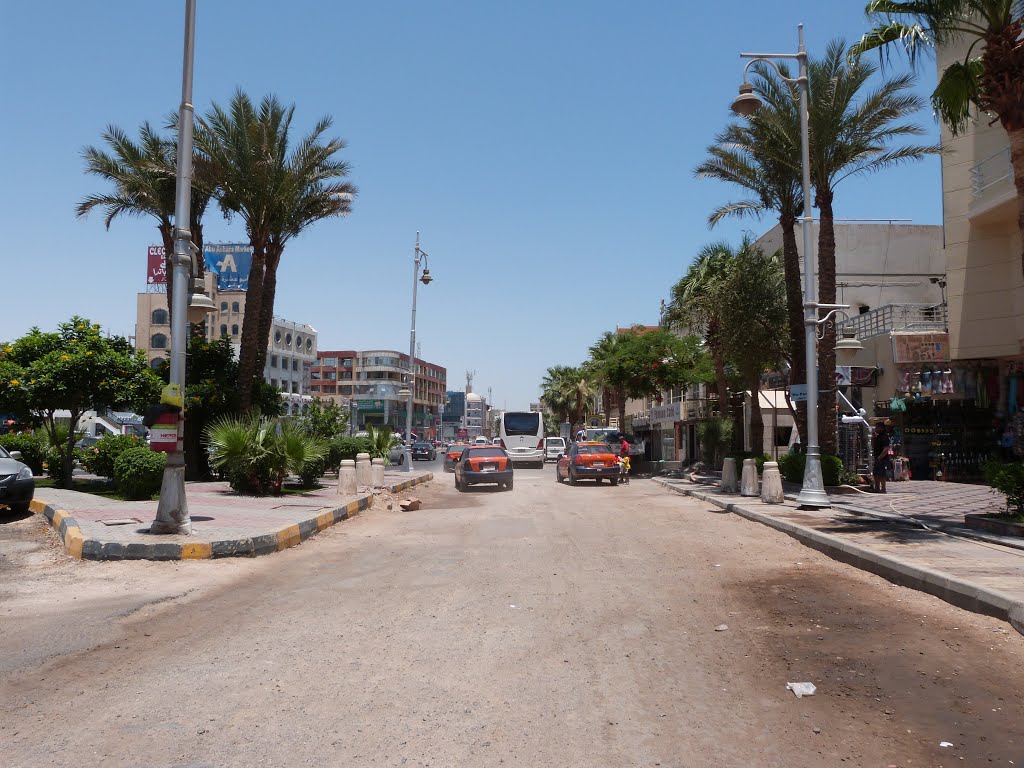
(827, 437)
(756, 419)
(248, 353)
(795, 315)
(267, 306)
(1017, 161)
(167, 238)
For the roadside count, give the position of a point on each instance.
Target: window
(234, 330)
(315, 375)
(295, 387)
(234, 306)
(159, 341)
(277, 337)
(332, 375)
(223, 306)
(273, 383)
(273, 361)
(159, 317)
(295, 365)
(309, 345)
(298, 342)
(864, 309)
(330, 362)
(223, 330)
(288, 340)
(154, 364)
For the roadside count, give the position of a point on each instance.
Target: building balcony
(922, 318)
(993, 194)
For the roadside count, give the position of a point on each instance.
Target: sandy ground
(547, 626)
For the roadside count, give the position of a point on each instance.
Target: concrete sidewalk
(224, 524)
(977, 575)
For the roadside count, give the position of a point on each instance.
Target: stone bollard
(347, 478)
(377, 473)
(771, 484)
(729, 484)
(748, 480)
(363, 478)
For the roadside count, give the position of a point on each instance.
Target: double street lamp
(812, 493)
(409, 389)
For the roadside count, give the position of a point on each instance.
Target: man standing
(624, 458)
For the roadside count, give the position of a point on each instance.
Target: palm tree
(600, 353)
(988, 81)
(278, 190)
(144, 178)
(569, 392)
(696, 306)
(757, 156)
(853, 133)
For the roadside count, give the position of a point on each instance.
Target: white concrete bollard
(729, 484)
(377, 473)
(363, 470)
(748, 480)
(347, 478)
(771, 484)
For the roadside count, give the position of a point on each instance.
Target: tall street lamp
(812, 494)
(191, 304)
(419, 255)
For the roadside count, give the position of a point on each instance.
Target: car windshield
(421, 445)
(3, 453)
(456, 449)
(594, 449)
(486, 453)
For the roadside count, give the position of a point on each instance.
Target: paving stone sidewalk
(224, 524)
(978, 575)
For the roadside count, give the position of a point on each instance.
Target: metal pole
(812, 494)
(172, 510)
(412, 358)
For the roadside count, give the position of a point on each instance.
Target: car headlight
(25, 474)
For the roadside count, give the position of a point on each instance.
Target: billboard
(156, 271)
(230, 262)
(920, 348)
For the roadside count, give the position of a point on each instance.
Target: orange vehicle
(588, 461)
(452, 454)
(483, 464)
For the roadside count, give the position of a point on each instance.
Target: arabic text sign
(920, 348)
(230, 262)
(156, 272)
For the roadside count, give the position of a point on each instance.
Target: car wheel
(20, 509)
(572, 478)
(598, 480)
(614, 481)
(508, 486)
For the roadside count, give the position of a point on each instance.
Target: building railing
(926, 318)
(991, 171)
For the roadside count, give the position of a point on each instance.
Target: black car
(16, 483)
(423, 451)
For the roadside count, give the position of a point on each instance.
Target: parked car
(483, 464)
(423, 451)
(588, 461)
(553, 448)
(397, 454)
(452, 454)
(17, 486)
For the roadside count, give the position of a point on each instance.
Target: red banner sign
(156, 274)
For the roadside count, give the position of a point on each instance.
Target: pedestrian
(624, 458)
(581, 435)
(881, 451)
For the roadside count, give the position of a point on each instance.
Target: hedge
(791, 466)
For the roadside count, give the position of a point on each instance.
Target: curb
(81, 548)
(958, 592)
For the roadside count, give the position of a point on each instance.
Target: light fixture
(199, 303)
(427, 278)
(404, 392)
(848, 346)
(746, 103)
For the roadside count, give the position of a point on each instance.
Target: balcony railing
(926, 318)
(990, 172)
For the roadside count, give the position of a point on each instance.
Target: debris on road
(721, 628)
(945, 743)
(802, 689)
(409, 505)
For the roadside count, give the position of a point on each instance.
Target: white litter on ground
(802, 689)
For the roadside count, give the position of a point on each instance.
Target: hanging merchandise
(898, 404)
(946, 387)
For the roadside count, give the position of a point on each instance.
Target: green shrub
(101, 457)
(715, 436)
(345, 448)
(1008, 479)
(33, 449)
(138, 472)
(311, 472)
(791, 467)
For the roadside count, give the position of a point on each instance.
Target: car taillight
(540, 445)
(503, 445)
(579, 461)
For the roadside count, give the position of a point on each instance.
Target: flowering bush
(101, 457)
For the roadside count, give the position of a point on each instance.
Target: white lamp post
(812, 494)
(418, 256)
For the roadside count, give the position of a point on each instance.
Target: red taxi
(588, 461)
(483, 464)
(452, 454)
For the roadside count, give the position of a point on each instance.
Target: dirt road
(547, 626)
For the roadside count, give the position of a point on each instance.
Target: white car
(553, 448)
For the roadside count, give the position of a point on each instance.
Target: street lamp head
(746, 103)
(848, 346)
(199, 303)
(427, 278)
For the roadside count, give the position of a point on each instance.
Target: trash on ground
(409, 505)
(945, 743)
(802, 689)
(121, 521)
(721, 628)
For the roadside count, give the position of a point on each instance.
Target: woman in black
(881, 450)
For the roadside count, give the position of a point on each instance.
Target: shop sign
(798, 393)
(370, 405)
(920, 348)
(663, 414)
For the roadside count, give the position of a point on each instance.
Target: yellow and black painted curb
(80, 547)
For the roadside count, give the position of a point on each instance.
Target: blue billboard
(230, 262)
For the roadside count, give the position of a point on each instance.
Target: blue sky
(544, 150)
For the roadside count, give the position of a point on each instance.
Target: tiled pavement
(223, 523)
(976, 574)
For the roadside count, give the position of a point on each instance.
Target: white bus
(522, 437)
